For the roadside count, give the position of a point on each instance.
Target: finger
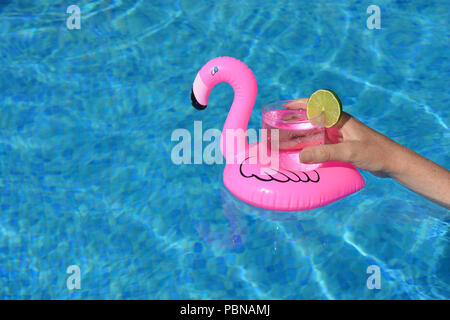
(333, 135)
(296, 104)
(331, 152)
(293, 116)
(289, 139)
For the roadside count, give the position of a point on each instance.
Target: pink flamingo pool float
(255, 182)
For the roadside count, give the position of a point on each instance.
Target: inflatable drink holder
(268, 173)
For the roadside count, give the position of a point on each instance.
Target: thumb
(330, 152)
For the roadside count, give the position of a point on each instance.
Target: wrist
(396, 163)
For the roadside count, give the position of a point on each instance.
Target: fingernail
(306, 156)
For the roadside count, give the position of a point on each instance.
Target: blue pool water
(86, 176)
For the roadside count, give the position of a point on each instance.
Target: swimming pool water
(85, 140)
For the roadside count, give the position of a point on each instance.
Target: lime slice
(327, 101)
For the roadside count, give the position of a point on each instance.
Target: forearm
(370, 150)
(421, 175)
(385, 157)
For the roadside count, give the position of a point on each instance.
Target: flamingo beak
(197, 105)
(200, 93)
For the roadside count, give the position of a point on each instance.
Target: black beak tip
(195, 103)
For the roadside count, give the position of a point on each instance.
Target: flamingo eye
(214, 70)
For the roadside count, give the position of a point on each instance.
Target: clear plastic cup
(295, 132)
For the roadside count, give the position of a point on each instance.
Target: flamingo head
(206, 79)
(221, 69)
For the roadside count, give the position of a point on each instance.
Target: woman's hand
(359, 145)
(354, 142)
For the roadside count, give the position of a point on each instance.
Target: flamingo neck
(241, 78)
(235, 127)
(244, 85)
